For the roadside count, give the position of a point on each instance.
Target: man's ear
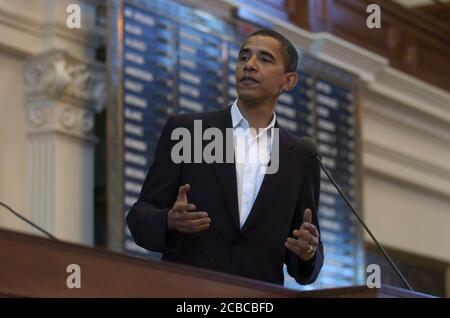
(291, 81)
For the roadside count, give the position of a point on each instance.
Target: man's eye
(243, 57)
(266, 60)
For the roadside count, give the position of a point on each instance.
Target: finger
(307, 216)
(200, 228)
(194, 215)
(185, 216)
(302, 233)
(311, 228)
(184, 207)
(182, 215)
(301, 244)
(312, 241)
(195, 223)
(316, 242)
(293, 248)
(182, 193)
(308, 237)
(298, 247)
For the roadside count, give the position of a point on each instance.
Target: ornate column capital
(63, 93)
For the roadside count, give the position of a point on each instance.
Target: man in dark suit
(225, 216)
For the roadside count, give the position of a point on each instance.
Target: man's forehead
(264, 43)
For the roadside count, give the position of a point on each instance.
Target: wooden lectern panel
(36, 267)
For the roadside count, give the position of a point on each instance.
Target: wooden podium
(36, 267)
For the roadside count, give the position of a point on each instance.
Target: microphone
(309, 149)
(28, 221)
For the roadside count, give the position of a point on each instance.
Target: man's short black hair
(288, 50)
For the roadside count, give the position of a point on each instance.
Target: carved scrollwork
(37, 116)
(57, 74)
(68, 118)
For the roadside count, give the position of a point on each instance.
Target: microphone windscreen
(307, 147)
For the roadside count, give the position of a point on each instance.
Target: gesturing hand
(307, 238)
(183, 217)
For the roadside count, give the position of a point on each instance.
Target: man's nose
(250, 65)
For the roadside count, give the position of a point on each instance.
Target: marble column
(62, 96)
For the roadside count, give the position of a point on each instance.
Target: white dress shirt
(252, 154)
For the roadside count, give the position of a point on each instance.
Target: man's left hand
(306, 239)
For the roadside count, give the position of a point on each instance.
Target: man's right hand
(183, 218)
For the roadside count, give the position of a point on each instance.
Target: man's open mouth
(248, 80)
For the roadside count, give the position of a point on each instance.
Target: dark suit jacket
(257, 249)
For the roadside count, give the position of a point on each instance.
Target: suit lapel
(226, 172)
